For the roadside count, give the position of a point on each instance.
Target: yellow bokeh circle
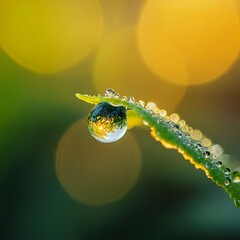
(118, 65)
(49, 36)
(203, 34)
(96, 173)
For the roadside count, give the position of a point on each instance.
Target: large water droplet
(107, 123)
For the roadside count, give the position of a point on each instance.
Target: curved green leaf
(176, 134)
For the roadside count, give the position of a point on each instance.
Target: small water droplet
(182, 123)
(109, 92)
(124, 98)
(142, 103)
(190, 129)
(198, 147)
(216, 150)
(180, 135)
(227, 181)
(150, 111)
(107, 123)
(151, 105)
(116, 95)
(219, 164)
(206, 154)
(196, 134)
(236, 177)
(174, 117)
(167, 119)
(185, 128)
(163, 113)
(206, 142)
(175, 127)
(186, 140)
(227, 171)
(131, 99)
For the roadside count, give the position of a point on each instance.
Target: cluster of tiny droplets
(190, 137)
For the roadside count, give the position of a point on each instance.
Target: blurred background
(56, 181)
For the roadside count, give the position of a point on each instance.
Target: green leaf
(174, 133)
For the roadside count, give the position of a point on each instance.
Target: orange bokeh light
(49, 36)
(202, 35)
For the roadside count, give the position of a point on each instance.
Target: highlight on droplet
(201, 36)
(49, 36)
(94, 173)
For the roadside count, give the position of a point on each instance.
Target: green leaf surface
(174, 133)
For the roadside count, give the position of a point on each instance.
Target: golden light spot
(190, 130)
(196, 134)
(151, 105)
(206, 142)
(185, 128)
(182, 123)
(189, 42)
(196, 165)
(167, 145)
(118, 64)
(185, 155)
(174, 117)
(49, 36)
(163, 142)
(163, 113)
(95, 173)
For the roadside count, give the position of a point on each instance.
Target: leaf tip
(78, 95)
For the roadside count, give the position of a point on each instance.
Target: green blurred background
(184, 57)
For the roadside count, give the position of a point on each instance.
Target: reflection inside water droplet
(107, 123)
